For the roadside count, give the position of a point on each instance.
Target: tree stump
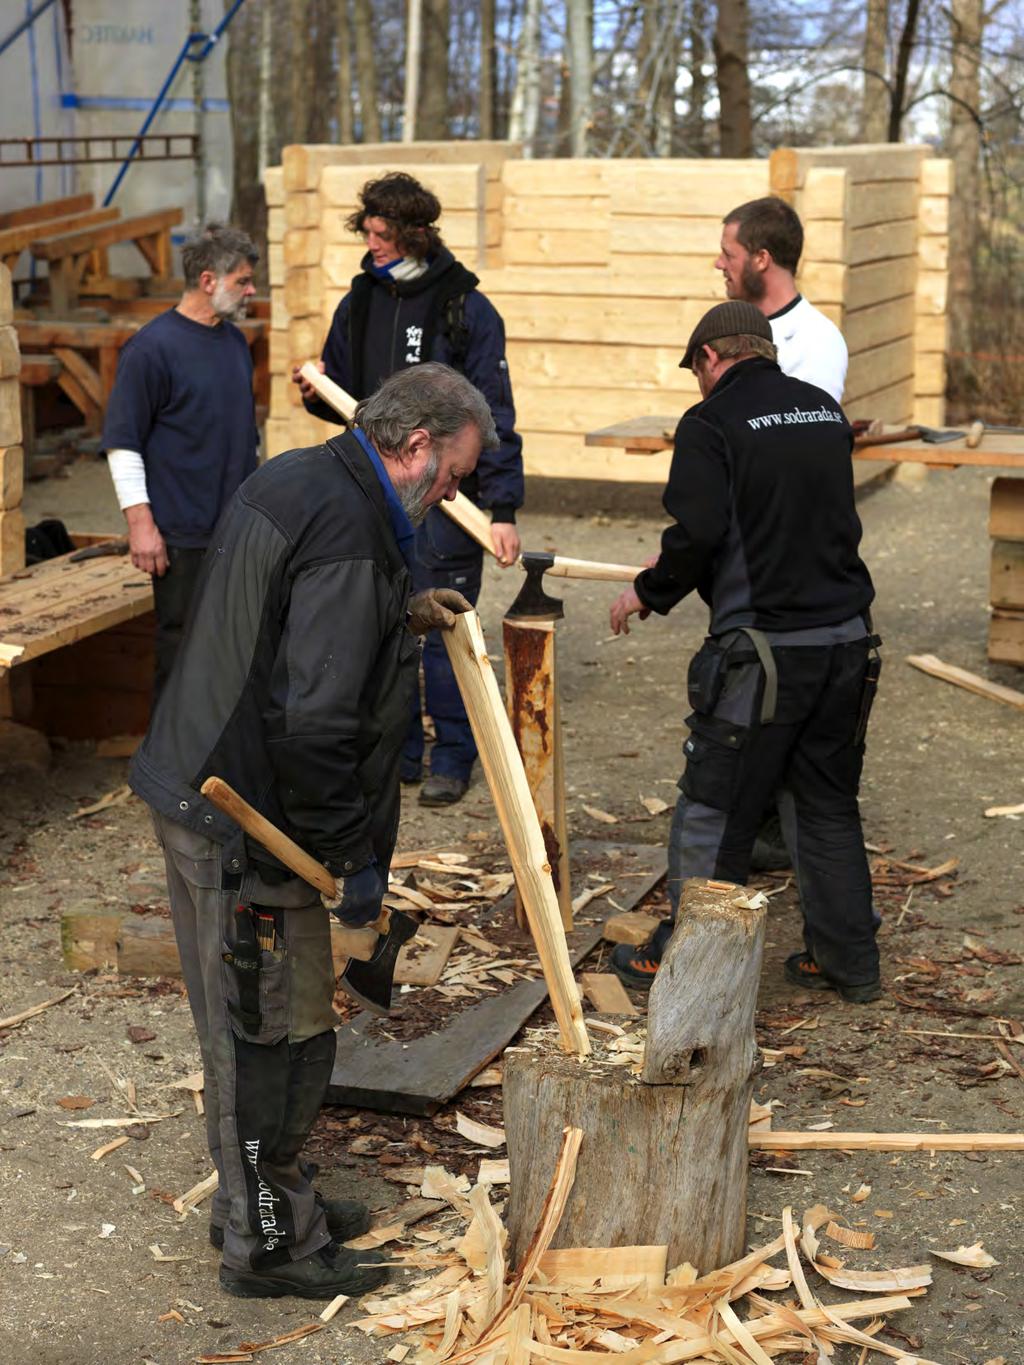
(664, 1154)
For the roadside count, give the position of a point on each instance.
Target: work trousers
(264, 1081)
(810, 754)
(172, 596)
(445, 558)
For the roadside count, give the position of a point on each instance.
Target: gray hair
(218, 247)
(731, 347)
(433, 397)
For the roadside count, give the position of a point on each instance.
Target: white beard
(411, 495)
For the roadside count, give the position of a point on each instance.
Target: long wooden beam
(782, 1140)
(513, 802)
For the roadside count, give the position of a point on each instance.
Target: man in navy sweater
(414, 302)
(180, 429)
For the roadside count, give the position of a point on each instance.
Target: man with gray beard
(180, 427)
(293, 684)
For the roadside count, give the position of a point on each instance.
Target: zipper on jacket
(394, 333)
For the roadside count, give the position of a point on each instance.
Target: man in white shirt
(760, 250)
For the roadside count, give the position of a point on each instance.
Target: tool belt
(244, 958)
(706, 676)
(872, 673)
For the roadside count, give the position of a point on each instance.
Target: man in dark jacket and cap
(764, 528)
(414, 302)
(293, 684)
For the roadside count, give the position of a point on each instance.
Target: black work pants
(172, 596)
(809, 753)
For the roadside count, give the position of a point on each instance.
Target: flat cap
(731, 319)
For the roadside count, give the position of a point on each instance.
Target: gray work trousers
(265, 1081)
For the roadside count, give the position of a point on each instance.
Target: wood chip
(602, 816)
(976, 1257)
(481, 1134)
(335, 1306)
(172, 1316)
(654, 805)
(1004, 810)
(877, 1281)
(491, 1075)
(128, 1121)
(76, 1102)
(109, 1147)
(850, 1237)
(861, 1194)
(592, 893)
(196, 1194)
(159, 1255)
(493, 1171)
(633, 928)
(112, 798)
(13, 1020)
(606, 993)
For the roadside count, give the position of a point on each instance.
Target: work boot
(346, 1218)
(637, 967)
(442, 790)
(326, 1273)
(802, 970)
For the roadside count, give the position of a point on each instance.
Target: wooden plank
(37, 370)
(785, 1140)
(15, 240)
(536, 211)
(12, 476)
(10, 355)
(577, 364)
(651, 433)
(77, 365)
(882, 241)
(878, 281)
(12, 542)
(1006, 509)
(456, 186)
(553, 246)
(825, 195)
(52, 248)
(50, 208)
(424, 958)
(520, 826)
(614, 319)
(1006, 583)
(552, 455)
(883, 202)
(878, 368)
(961, 677)
(933, 215)
(417, 1076)
(932, 291)
(303, 164)
(273, 186)
(1006, 638)
(633, 929)
(10, 412)
(1005, 450)
(606, 993)
(865, 162)
(933, 253)
(635, 235)
(881, 323)
(302, 211)
(544, 408)
(937, 177)
(893, 403)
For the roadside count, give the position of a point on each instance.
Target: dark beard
(752, 283)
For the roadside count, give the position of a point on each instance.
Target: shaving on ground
(569, 1305)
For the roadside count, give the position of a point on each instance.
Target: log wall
(12, 461)
(600, 269)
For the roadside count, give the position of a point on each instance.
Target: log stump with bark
(664, 1154)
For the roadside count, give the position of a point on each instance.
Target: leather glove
(435, 609)
(359, 897)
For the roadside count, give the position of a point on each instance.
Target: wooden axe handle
(594, 570)
(357, 943)
(333, 394)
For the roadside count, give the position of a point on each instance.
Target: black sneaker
(770, 853)
(326, 1273)
(636, 968)
(346, 1218)
(442, 790)
(802, 970)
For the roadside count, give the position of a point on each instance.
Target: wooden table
(76, 646)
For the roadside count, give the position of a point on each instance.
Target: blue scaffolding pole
(25, 24)
(204, 43)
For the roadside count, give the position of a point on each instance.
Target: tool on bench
(974, 434)
(373, 951)
(100, 551)
(466, 515)
(862, 436)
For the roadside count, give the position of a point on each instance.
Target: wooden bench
(14, 240)
(71, 255)
(51, 208)
(76, 646)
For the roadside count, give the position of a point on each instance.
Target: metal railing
(95, 150)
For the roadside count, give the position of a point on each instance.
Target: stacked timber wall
(12, 462)
(600, 269)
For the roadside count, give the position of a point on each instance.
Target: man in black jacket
(764, 528)
(293, 684)
(413, 302)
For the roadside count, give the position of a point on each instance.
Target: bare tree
(343, 32)
(299, 86)
(900, 82)
(875, 109)
(966, 19)
(580, 46)
(432, 107)
(525, 112)
(735, 127)
(694, 127)
(366, 71)
(488, 67)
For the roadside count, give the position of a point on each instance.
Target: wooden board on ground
(633, 929)
(423, 959)
(971, 682)
(606, 993)
(417, 1076)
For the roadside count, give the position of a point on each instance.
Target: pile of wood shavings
(568, 1306)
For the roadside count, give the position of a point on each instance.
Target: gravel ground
(79, 1292)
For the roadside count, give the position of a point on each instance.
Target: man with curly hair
(413, 302)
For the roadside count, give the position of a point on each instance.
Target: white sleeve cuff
(128, 470)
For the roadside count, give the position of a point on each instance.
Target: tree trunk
(432, 112)
(366, 72)
(321, 71)
(522, 124)
(488, 68)
(899, 85)
(299, 86)
(735, 129)
(668, 73)
(265, 115)
(966, 25)
(694, 127)
(874, 120)
(248, 206)
(580, 44)
(346, 124)
(672, 1145)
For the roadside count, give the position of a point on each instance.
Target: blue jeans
(445, 558)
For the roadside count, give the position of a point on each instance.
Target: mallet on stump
(513, 801)
(531, 694)
(664, 1155)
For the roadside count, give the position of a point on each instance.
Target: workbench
(76, 646)
(997, 450)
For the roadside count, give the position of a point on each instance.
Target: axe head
(533, 603)
(370, 982)
(935, 437)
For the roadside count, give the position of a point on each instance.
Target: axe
(373, 951)
(466, 515)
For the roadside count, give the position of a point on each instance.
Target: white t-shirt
(810, 347)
